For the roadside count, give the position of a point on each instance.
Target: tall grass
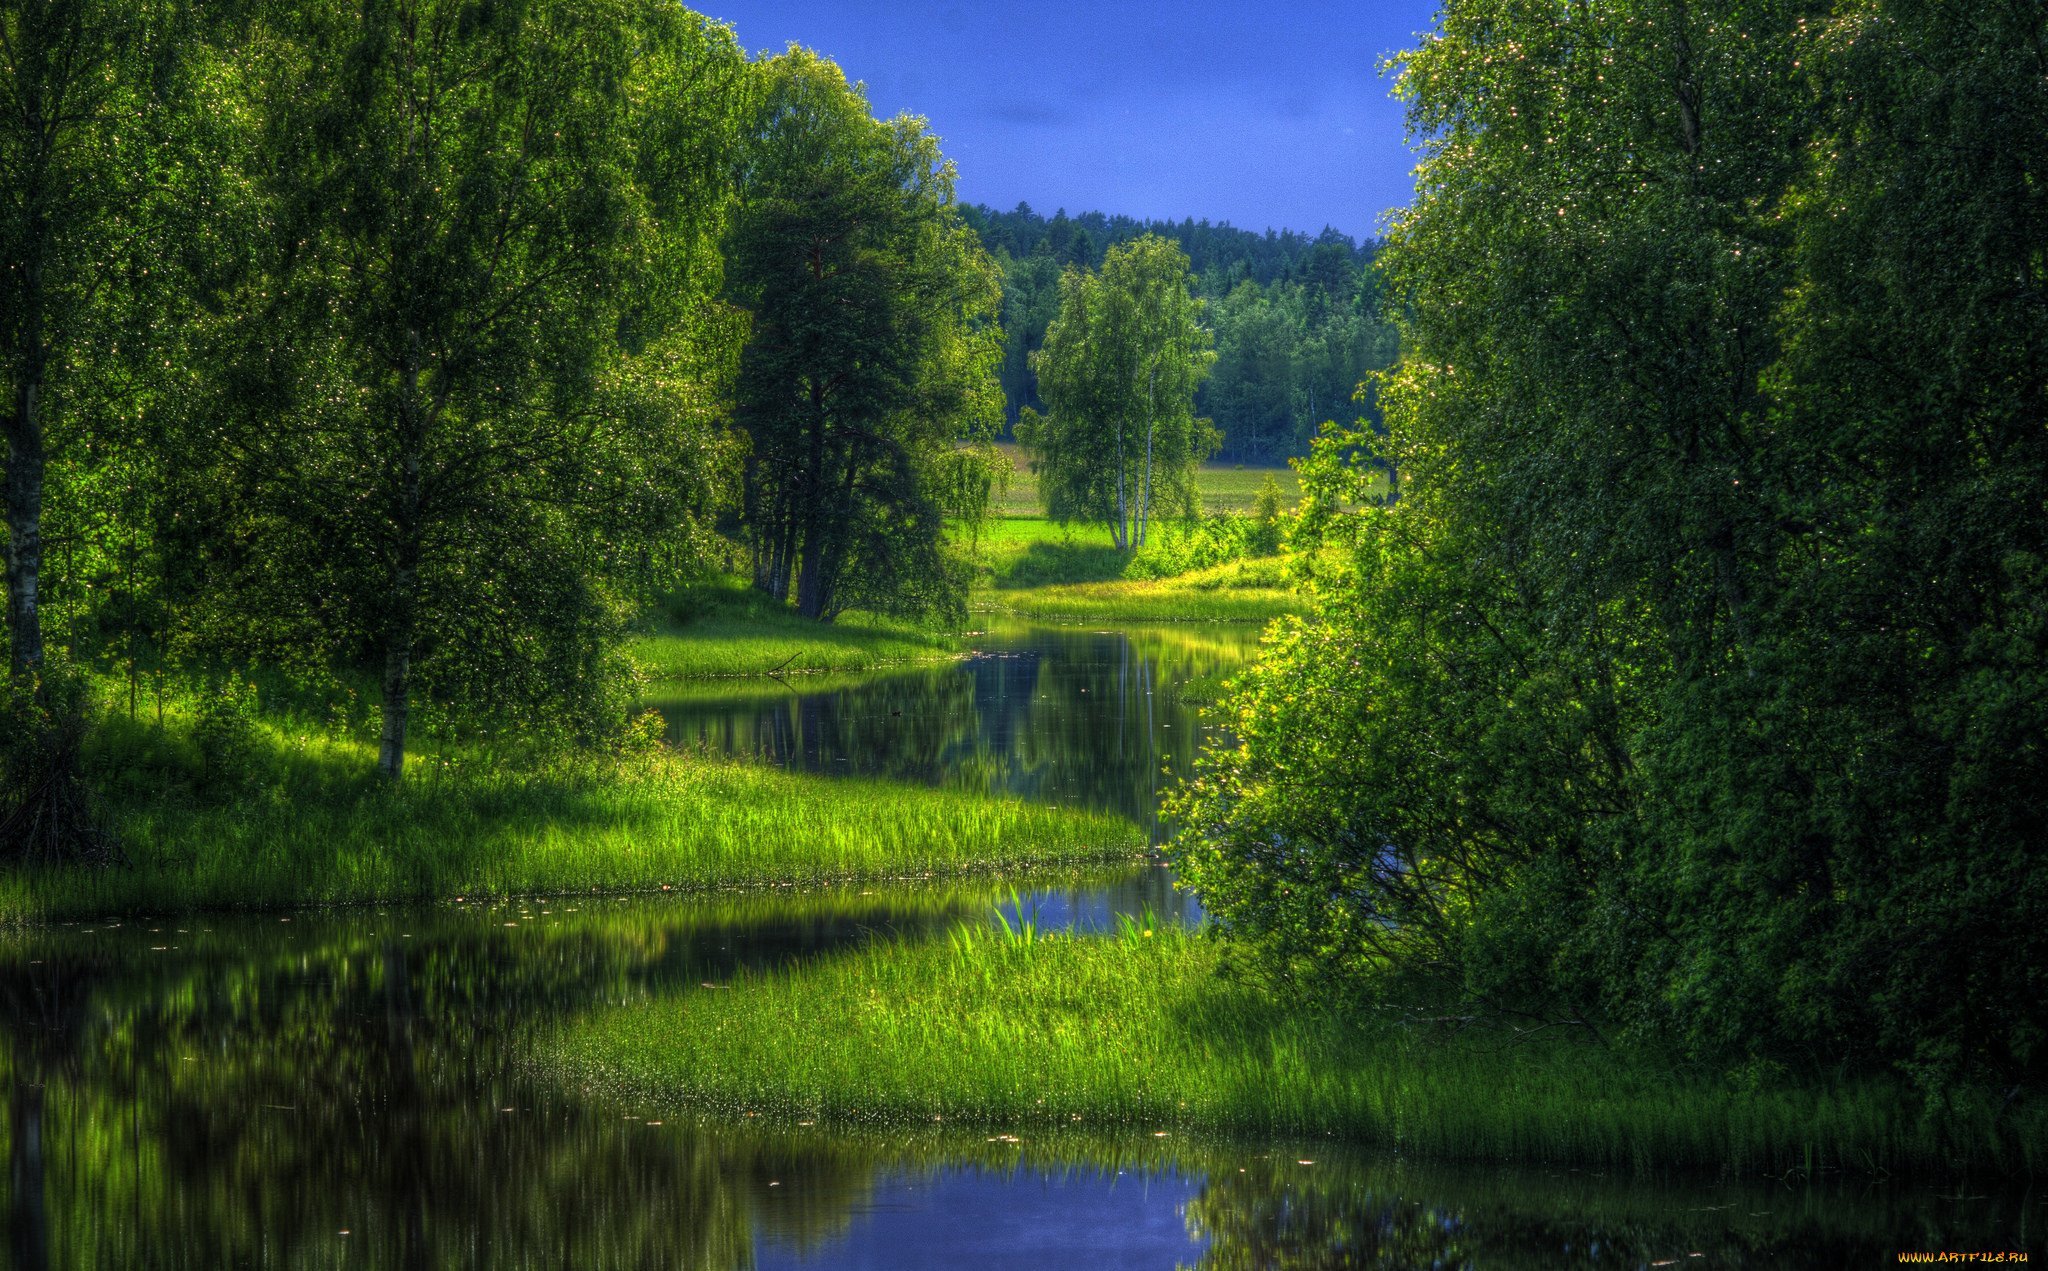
(303, 820)
(1018, 1028)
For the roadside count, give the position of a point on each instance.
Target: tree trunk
(1121, 532)
(25, 462)
(397, 693)
(401, 629)
(1151, 427)
(397, 704)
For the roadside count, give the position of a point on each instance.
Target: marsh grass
(724, 628)
(1014, 1028)
(304, 821)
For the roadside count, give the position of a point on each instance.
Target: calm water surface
(1093, 719)
(348, 1088)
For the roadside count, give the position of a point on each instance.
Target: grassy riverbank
(304, 821)
(1142, 1031)
(1243, 591)
(725, 628)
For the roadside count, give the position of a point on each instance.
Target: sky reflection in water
(347, 1088)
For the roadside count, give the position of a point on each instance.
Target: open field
(1011, 1030)
(1223, 487)
(1243, 591)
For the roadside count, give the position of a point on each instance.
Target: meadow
(1241, 591)
(1223, 487)
(1012, 1030)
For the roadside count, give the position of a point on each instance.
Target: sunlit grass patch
(1243, 591)
(726, 628)
(308, 822)
(1021, 1029)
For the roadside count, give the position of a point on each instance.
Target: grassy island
(1013, 1030)
(724, 629)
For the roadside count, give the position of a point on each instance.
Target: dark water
(348, 1090)
(1091, 719)
(351, 1088)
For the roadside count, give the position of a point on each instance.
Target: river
(351, 1088)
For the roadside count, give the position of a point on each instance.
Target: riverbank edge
(305, 823)
(1144, 1031)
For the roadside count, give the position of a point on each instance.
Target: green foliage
(1693, 687)
(1289, 358)
(872, 352)
(469, 359)
(224, 730)
(1118, 372)
(1296, 318)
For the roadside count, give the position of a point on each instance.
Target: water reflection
(1089, 718)
(347, 1089)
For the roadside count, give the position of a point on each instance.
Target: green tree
(460, 367)
(109, 115)
(1693, 686)
(872, 354)
(1118, 372)
(88, 95)
(1031, 297)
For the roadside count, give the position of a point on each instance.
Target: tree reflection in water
(1092, 719)
(348, 1088)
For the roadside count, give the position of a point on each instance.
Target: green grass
(1030, 551)
(1141, 1031)
(1245, 591)
(305, 822)
(725, 628)
(1223, 487)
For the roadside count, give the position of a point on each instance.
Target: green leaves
(872, 353)
(1660, 696)
(1118, 374)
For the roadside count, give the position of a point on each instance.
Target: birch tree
(485, 213)
(1118, 374)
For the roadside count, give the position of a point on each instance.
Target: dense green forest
(1696, 691)
(406, 353)
(1297, 320)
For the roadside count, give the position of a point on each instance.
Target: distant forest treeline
(1296, 317)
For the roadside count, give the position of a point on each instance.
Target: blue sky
(1266, 115)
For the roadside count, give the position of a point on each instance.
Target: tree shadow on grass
(1050, 561)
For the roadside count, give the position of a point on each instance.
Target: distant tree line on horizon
(1296, 318)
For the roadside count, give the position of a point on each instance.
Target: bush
(224, 730)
